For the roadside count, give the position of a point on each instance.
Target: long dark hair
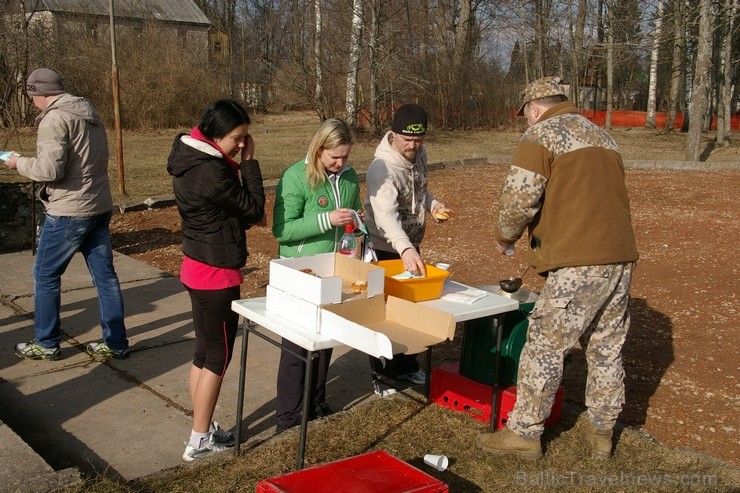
(222, 117)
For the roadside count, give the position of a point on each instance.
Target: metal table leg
(240, 393)
(499, 321)
(307, 385)
(428, 368)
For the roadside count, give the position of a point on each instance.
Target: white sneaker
(383, 389)
(418, 377)
(191, 453)
(221, 436)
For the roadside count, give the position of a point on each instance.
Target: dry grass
(407, 428)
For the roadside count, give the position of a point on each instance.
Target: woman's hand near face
(342, 217)
(248, 149)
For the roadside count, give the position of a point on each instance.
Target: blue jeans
(61, 237)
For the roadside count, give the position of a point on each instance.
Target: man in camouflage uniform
(566, 185)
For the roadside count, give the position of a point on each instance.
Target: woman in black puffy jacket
(218, 199)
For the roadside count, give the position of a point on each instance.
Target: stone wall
(16, 216)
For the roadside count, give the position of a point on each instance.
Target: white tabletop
(254, 309)
(492, 304)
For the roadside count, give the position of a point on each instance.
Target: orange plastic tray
(415, 289)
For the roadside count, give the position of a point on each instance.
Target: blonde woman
(315, 198)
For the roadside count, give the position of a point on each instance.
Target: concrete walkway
(124, 418)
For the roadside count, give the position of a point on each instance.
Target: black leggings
(215, 325)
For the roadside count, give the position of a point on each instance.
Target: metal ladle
(512, 284)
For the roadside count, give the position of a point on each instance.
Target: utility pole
(116, 102)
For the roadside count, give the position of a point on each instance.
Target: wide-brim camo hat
(541, 88)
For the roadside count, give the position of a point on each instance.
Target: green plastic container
(478, 358)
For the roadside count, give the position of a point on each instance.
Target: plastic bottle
(348, 244)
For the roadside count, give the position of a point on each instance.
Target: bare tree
(724, 109)
(576, 51)
(700, 90)
(652, 86)
(354, 61)
(690, 15)
(542, 31)
(318, 95)
(679, 44)
(373, 47)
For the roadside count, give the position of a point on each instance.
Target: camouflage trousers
(590, 304)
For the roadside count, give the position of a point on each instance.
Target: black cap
(410, 119)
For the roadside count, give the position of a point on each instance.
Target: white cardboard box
(297, 309)
(382, 329)
(298, 296)
(335, 273)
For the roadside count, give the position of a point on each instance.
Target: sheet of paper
(407, 275)
(469, 296)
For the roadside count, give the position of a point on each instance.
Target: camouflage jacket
(567, 186)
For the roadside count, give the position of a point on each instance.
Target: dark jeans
(62, 237)
(290, 380)
(401, 364)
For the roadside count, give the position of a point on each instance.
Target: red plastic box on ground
(450, 389)
(373, 472)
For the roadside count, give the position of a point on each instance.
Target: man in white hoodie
(396, 204)
(72, 164)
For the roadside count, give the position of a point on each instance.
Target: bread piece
(443, 214)
(359, 287)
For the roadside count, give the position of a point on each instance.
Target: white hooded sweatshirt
(397, 199)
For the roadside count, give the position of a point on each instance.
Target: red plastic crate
(373, 472)
(450, 389)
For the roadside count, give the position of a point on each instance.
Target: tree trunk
(576, 52)
(354, 63)
(462, 65)
(724, 108)
(689, 61)
(676, 65)
(650, 118)
(373, 62)
(609, 63)
(318, 94)
(700, 91)
(542, 29)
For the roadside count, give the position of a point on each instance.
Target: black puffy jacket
(215, 207)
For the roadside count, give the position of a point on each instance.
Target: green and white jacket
(301, 215)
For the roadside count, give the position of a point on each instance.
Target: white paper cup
(439, 462)
(442, 266)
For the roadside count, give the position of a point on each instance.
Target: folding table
(254, 313)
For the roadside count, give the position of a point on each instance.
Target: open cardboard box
(384, 328)
(298, 296)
